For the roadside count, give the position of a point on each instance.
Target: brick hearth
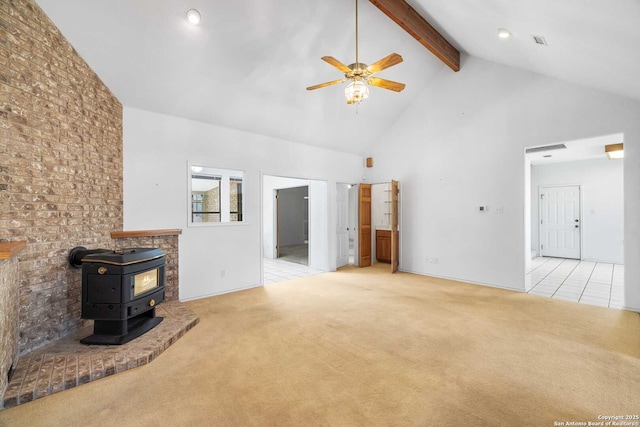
(66, 363)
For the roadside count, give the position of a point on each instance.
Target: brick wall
(211, 203)
(60, 166)
(234, 199)
(8, 318)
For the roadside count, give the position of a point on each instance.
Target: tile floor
(295, 253)
(278, 270)
(594, 283)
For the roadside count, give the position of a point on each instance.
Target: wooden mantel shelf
(145, 233)
(10, 249)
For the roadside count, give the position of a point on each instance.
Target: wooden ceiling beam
(413, 23)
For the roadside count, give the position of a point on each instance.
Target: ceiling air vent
(546, 148)
(539, 40)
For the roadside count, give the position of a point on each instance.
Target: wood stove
(120, 290)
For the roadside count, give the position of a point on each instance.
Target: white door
(560, 221)
(342, 226)
(353, 224)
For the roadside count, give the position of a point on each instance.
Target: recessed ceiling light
(546, 148)
(193, 16)
(504, 33)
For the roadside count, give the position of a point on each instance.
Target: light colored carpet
(362, 347)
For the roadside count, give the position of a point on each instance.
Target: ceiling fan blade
(386, 62)
(335, 82)
(386, 84)
(339, 65)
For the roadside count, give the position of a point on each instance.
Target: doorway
(574, 222)
(304, 219)
(367, 224)
(346, 224)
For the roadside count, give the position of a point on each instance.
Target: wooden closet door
(364, 225)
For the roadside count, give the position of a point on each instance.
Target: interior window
(217, 195)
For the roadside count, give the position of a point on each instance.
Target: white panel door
(560, 221)
(342, 226)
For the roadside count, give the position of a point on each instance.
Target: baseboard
(602, 261)
(628, 308)
(228, 291)
(490, 285)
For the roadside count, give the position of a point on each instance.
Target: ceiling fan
(359, 75)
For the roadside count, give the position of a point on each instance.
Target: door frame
(276, 222)
(394, 221)
(346, 187)
(540, 188)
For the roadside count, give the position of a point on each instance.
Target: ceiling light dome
(356, 92)
(193, 16)
(503, 33)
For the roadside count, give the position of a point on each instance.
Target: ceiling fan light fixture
(193, 16)
(356, 92)
(359, 75)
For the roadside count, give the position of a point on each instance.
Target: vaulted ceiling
(247, 64)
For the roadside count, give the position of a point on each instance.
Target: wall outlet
(431, 260)
(223, 273)
(499, 210)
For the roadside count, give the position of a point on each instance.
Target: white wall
(156, 151)
(602, 197)
(461, 145)
(527, 215)
(319, 237)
